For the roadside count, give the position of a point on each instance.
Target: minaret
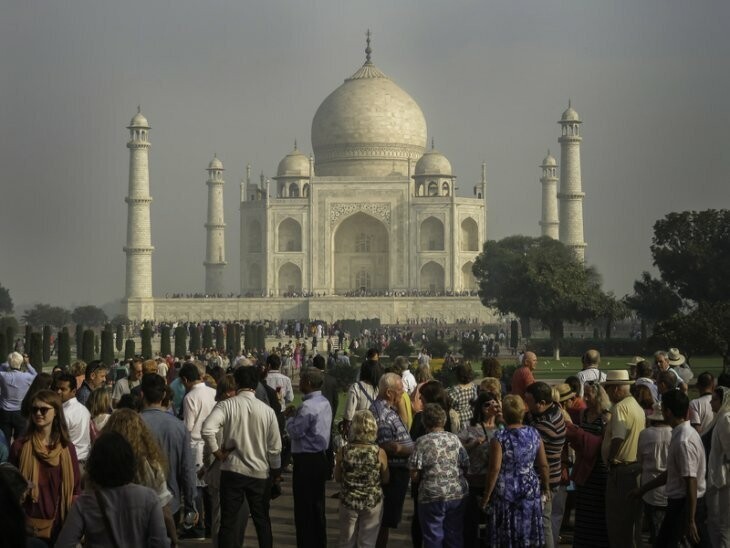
(139, 233)
(215, 249)
(549, 180)
(571, 193)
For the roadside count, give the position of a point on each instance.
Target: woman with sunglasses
(47, 459)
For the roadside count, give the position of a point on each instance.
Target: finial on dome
(368, 51)
(433, 144)
(569, 105)
(295, 144)
(139, 109)
(548, 152)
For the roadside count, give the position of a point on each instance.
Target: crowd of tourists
(152, 452)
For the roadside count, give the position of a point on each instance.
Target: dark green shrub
(79, 340)
(399, 347)
(181, 339)
(87, 346)
(119, 342)
(194, 339)
(165, 348)
(107, 346)
(46, 343)
(64, 348)
(146, 342)
(128, 349)
(471, 349)
(438, 348)
(35, 352)
(220, 337)
(207, 336)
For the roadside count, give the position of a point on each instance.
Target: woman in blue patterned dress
(513, 492)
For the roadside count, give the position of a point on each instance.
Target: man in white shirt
(197, 404)
(279, 382)
(78, 418)
(590, 360)
(684, 478)
(700, 410)
(125, 385)
(251, 459)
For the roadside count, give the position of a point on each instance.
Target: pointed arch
(432, 277)
(361, 254)
(469, 235)
(289, 235)
(468, 281)
(290, 279)
(432, 235)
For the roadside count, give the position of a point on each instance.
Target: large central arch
(361, 255)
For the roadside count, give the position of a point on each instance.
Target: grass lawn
(548, 368)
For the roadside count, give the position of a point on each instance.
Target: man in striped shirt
(546, 416)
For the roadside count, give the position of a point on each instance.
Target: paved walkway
(282, 521)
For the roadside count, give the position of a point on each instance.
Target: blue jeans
(442, 523)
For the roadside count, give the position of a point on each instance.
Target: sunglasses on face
(41, 410)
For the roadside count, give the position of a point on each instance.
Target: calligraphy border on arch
(381, 210)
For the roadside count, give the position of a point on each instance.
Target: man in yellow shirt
(619, 450)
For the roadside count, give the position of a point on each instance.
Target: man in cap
(619, 452)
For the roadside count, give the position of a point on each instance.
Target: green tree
(146, 342)
(538, 278)
(181, 339)
(612, 310)
(64, 348)
(261, 337)
(89, 315)
(9, 326)
(6, 302)
(107, 345)
(691, 249)
(35, 352)
(165, 348)
(79, 339)
(653, 300)
(207, 336)
(28, 333)
(194, 339)
(119, 341)
(87, 346)
(46, 343)
(220, 337)
(129, 349)
(3, 346)
(42, 314)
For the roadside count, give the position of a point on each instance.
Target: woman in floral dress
(513, 493)
(438, 464)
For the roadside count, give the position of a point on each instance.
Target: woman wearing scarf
(718, 470)
(47, 459)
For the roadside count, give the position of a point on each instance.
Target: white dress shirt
(78, 420)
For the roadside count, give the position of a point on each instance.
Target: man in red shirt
(522, 377)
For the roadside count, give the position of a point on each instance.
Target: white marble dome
(293, 164)
(549, 160)
(433, 163)
(367, 127)
(139, 121)
(215, 163)
(570, 115)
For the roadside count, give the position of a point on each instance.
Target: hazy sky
(650, 79)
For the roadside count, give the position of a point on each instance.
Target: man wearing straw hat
(619, 452)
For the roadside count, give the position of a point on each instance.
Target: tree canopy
(653, 300)
(691, 249)
(538, 278)
(45, 314)
(89, 315)
(6, 302)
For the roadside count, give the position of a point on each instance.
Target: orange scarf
(34, 451)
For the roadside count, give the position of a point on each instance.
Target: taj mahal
(367, 226)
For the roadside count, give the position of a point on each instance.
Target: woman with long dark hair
(46, 458)
(116, 512)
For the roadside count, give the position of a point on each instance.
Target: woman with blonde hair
(150, 462)
(47, 459)
(362, 468)
(99, 405)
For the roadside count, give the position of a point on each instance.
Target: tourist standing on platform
(394, 439)
(250, 456)
(362, 468)
(309, 429)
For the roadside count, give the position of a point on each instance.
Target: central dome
(367, 127)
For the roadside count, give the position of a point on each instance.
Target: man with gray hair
(309, 429)
(394, 439)
(590, 360)
(14, 383)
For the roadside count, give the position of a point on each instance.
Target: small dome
(549, 160)
(570, 115)
(433, 163)
(293, 164)
(215, 163)
(139, 120)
